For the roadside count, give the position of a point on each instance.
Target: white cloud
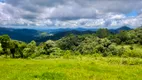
(70, 13)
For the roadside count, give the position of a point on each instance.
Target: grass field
(72, 69)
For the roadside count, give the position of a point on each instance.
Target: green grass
(84, 68)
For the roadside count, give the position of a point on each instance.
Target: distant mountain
(58, 30)
(20, 34)
(61, 32)
(28, 35)
(54, 31)
(123, 28)
(59, 35)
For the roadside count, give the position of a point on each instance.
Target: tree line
(102, 43)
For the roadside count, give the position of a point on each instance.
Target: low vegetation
(73, 68)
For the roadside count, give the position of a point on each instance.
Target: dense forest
(102, 43)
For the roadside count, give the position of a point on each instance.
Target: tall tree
(5, 42)
(102, 33)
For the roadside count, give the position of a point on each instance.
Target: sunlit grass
(82, 68)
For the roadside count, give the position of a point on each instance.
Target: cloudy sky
(71, 13)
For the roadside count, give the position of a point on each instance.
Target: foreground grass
(72, 69)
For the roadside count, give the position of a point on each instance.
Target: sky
(71, 13)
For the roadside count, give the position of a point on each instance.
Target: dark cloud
(77, 8)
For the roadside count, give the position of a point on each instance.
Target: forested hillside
(102, 43)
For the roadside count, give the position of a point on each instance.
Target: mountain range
(28, 35)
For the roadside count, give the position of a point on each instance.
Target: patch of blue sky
(2, 1)
(132, 14)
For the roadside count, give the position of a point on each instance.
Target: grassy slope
(71, 69)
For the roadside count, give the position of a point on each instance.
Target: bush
(67, 54)
(57, 52)
(1, 49)
(30, 49)
(132, 53)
